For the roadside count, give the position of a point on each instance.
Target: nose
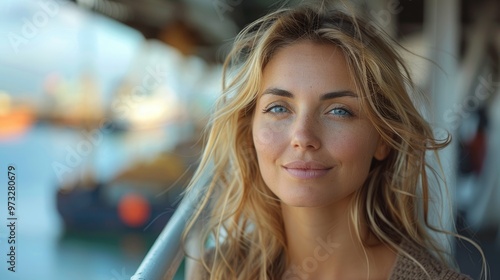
(305, 134)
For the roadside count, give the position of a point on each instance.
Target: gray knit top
(407, 269)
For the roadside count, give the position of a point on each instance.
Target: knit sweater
(407, 269)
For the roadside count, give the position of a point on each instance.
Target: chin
(302, 201)
(305, 197)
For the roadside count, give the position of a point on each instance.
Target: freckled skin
(333, 132)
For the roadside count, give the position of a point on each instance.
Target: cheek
(355, 147)
(268, 134)
(269, 140)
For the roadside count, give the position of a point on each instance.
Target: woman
(317, 157)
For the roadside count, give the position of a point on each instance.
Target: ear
(382, 150)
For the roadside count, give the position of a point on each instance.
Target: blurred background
(102, 103)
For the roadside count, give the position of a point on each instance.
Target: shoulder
(406, 268)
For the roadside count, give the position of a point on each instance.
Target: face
(314, 144)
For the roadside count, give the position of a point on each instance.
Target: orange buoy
(134, 210)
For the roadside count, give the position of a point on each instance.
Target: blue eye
(341, 112)
(277, 109)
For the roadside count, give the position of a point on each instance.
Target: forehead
(308, 65)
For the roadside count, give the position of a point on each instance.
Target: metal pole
(442, 25)
(165, 256)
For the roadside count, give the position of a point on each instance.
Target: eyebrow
(326, 96)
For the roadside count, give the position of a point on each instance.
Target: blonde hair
(244, 217)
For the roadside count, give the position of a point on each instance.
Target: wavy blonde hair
(244, 216)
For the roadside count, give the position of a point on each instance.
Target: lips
(306, 169)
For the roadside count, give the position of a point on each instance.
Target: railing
(165, 256)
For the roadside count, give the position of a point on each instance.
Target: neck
(322, 242)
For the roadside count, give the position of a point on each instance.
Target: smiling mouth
(307, 173)
(306, 170)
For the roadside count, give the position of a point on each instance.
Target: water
(44, 250)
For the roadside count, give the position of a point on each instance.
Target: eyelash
(273, 106)
(347, 114)
(269, 109)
